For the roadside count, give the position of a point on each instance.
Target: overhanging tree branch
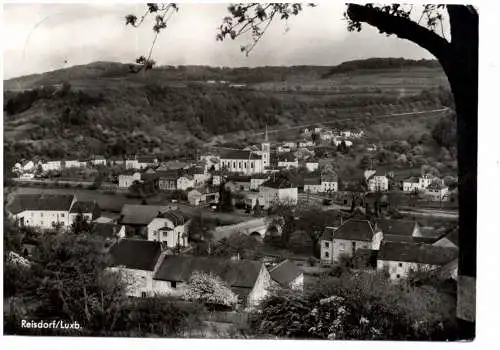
(402, 27)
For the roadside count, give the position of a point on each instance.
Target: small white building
(72, 164)
(99, 160)
(312, 185)
(436, 192)
(278, 190)
(53, 165)
(399, 258)
(257, 180)
(41, 210)
(125, 181)
(185, 182)
(411, 184)
(312, 165)
(288, 161)
(169, 228)
(376, 182)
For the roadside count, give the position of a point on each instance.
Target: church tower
(266, 151)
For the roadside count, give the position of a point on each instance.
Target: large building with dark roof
(41, 210)
(399, 258)
(346, 239)
(278, 190)
(249, 280)
(246, 162)
(136, 260)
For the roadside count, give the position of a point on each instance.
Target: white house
(51, 165)
(436, 192)
(411, 184)
(169, 228)
(278, 190)
(125, 181)
(144, 162)
(200, 179)
(185, 182)
(41, 210)
(288, 161)
(136, 261)
(347, 239)
(399, 258)
(329, 183)
(312, 165)
(216, 179)
(98, 160)
(249, 280)
(132, 163)
(312, 185)
(376, 182)
(305, 144)
(72, 164)
(28, 166)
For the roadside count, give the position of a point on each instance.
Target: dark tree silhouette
(458, 57)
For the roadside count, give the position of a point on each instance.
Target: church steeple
(265, 136)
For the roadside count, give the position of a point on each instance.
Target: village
(243, 192)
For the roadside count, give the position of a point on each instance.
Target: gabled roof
(175, 216)
(355, 230)
(412, 179)
(146, 159)
(285, 272)
(137, 214)
(83, 207)
(135, 254)
(396, 227)
(416, 253)
(236, 178)
(436, 186)
(278, 182)
(450, 238)
(329, 177)
(312, 181)
(239, 155)
(40, 202)
(236, 273)
(171, 174)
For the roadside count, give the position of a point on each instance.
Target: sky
(40, 37)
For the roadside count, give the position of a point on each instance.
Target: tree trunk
(461, 67)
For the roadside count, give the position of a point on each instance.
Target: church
(247, 162)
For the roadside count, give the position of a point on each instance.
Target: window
(173, 284)
(62, 215)
(398, 276)
(327, 255)
(144, 294)
(251, 165)
(341, 246)
(245, 164)
(327, 244)
(400, 264)
(239, 165)
(41, 215)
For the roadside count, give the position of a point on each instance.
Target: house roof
(238, 154)
(329, 177)
(278, 182)
(396, 227)
(259, 176)
(175, 216)
(164, 174)
(398, 238)
(83, 207)
(436, 186)
(412, 179)
(416, 253)
(285, 272)
(236, 273)
(239, 178)
(312, 181)
(137, 214)
(135, 254)
(451, 237)
(39, 202)
(146, 159)
(355, 230)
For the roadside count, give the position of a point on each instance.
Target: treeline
(382, 63)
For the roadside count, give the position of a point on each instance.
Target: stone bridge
(251, 227)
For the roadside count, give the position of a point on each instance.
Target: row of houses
(151, 271)
(429, 185)
(395, 246)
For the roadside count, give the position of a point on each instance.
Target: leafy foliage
(209, 289)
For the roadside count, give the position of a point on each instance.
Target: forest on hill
(74, 120)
